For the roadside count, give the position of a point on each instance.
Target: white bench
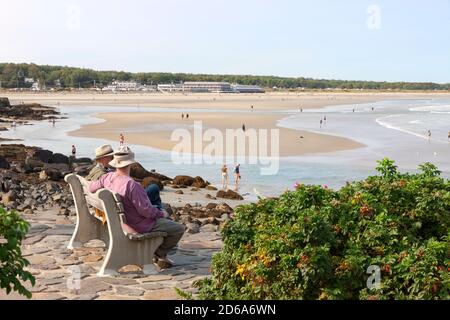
(123, 249)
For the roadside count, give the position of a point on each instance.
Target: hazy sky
(353, 39)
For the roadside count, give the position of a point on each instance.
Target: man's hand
(166, 214)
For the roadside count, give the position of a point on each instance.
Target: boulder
(83, 170)
(34, 163)
(211, 206)
(4, 164)
(229, 194)
(82, 160)
(183, 181)
(64, 168)
(139, 172)
(9, 197)
(151, 180)
(179, 192)
(199, 182)
(192, 228)
(42, 155)
(4, 103)
(223, 208)
(211, 187)
(59, 158)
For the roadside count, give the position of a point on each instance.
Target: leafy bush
(316, 243)
(12, 231)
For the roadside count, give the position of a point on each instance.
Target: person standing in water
(187, 116)
(243, 127)
(182, 116)
(224, 177)
(122, 139)
(237, 177)
(321, 122)
(429, 135)
(74, 151)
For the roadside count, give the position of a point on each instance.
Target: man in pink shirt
(140, 214)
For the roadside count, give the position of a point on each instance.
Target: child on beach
(224, 177)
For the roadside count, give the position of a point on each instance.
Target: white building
(241, 88)
(207, 86)
(170, 87)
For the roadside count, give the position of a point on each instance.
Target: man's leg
(174, 232)
(153, 195)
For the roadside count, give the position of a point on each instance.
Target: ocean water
(394, 129)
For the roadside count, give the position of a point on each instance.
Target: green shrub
(316, 243)
(12, 231)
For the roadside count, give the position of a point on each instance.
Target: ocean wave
(382, 122)
(432, 109)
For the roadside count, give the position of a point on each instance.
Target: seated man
(104, 155)
(140, 214)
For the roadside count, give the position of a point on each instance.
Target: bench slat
(146, 236)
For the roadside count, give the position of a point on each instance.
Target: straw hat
(103, 151)
(122, 160)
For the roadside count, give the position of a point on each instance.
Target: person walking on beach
(325, 119)
(122, 139)
(182, 116)
(243, 127)
(13, 125)
(252, 108)
(237, 177)
(321, 122)
(224, 177)
(53, 122)
(429, 135)
(74, 151)
(187, 116)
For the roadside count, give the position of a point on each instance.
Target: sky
(385, 40)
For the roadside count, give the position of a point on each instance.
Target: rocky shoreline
(32, 182)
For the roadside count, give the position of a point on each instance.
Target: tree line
(13, 75)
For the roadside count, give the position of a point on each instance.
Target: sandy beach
(155, 129)
(292, 142)
(267, 101)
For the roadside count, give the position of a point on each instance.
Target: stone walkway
(57, 269)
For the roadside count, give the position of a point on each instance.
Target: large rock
(82, 160)
(62, 167)
(151, 180)
(139, 172)
(183, 181)
(42, 155)
(4, 164)
(4, 103)
(35, 163)
(199, 182)
(59, 158)
(229, 194)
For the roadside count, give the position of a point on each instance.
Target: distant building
(170, 87)
(207, 87)
(37, 86)
(240, 88)
(28, 80)
(128, 86)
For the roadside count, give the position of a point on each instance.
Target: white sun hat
(122, 160)
(103, 151)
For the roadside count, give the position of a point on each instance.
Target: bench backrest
(104, 200)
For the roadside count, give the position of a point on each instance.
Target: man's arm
(96, 185)
(142, 204)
